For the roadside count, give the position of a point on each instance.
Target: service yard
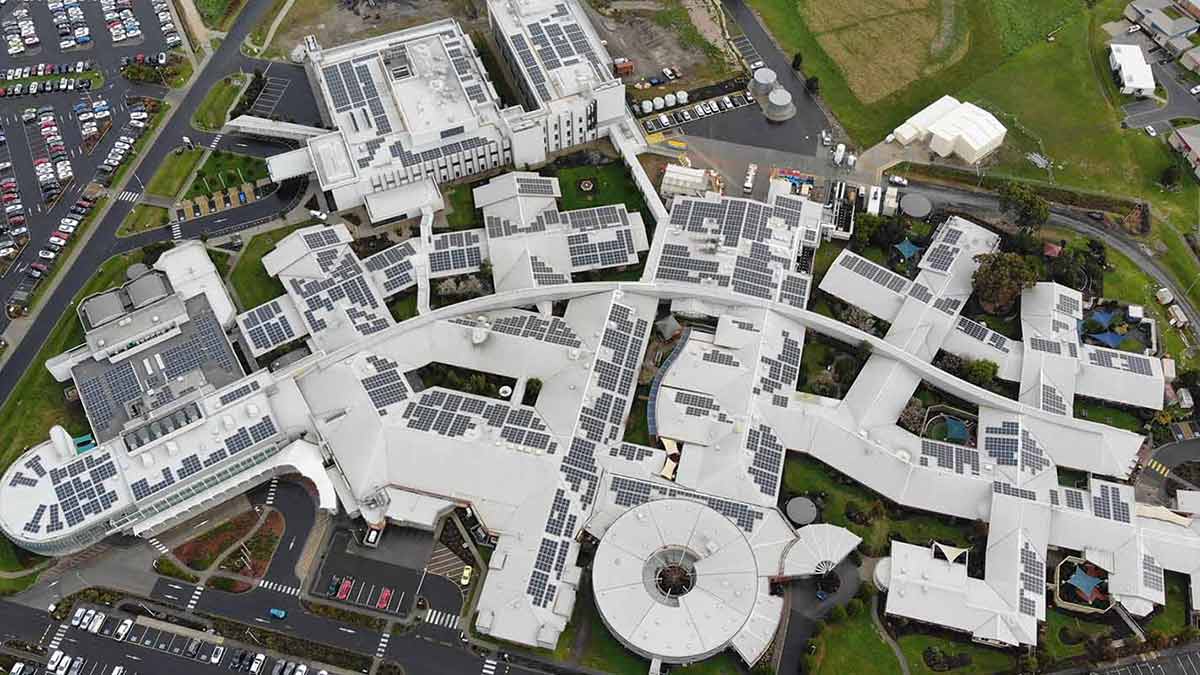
(676, 34)
(336, 23)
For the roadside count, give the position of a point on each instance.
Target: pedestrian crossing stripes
(443, 619)
(195, 598)
(177, 230)
(58, 637)
(383, 643)
(158, 545)
(489, 667)
(1158, 466)
(129, 196)
(279, 588)
(215, 141)
(271, 491)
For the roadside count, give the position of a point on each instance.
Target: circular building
(675, 580)
(916, 206)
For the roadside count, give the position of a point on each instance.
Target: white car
(70, 229)
(898, 180)
(69, 222)
(123, 629)
(1133, 29)
(217, 653)
(55, 658)
(84, 116)
(5, 165)
(65, 664)
(256, 667)
(98, 620)
(78, 617)
(138, 116)
(119, 145)
(66, 44)
(80, 32)
(1150, 131)
(91, 613)
(101, 114)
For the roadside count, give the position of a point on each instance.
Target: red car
(385, 599)
(41, 267)
(61, 235)
(141, 58)
(9, 198)
(344, 591)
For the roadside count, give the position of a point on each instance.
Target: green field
(169, 179)
(249, 280)
(460, 207)
(212, 111)
(142, 218)
(1172, 617)
(853, 646)
(983, 659)
(224, 170)
(612, 186)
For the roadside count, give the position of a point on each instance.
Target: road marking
(58, 636)
(271, 491)
(1158, 466)
(279, 588)
(177, 230)
(129, 196)
(195, 598)
(347, 630)
(443, 619)
(489, 667)
(383, 643)
(215, 141)
(157, 545)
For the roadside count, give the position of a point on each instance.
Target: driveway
(748, 126)
(1169, 76)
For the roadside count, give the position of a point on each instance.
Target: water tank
(763, 82)
(659, 103)
(647, 107)
(670, 99)
(779, 106)
(682, 97)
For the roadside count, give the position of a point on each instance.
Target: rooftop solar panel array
(532, 326)
(960, 459)
(456, 253)
(940, 257)
(1004, 488)
(629, 492)
(632, 452)
(397, 151)
(387, 386)
(1033, 579)
(766, 459)
(544, 274)
(599, 249)
(395, 264)
(1002, 443)
(533, 71)
(984, 334)
(536, 186)
(779, 372)
(267, 327)
(455, 414)
(239, 393)
(82, 488)
(343, 288)
(1152, 574)
(1108, 503)
(877, 274)
(794, 290)
(1052, 400)
(1130, 363)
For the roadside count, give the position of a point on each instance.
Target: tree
(1157, 638)
(812, 84)
(797, 60)
(854, 607)
(1171, 175)
(1000, 279)
(858, 318)
(889, 233)
(1025, 206)
(865, 227)
(980, 372)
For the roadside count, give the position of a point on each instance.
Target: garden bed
(201, 552)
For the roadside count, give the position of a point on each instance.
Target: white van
(256, 667)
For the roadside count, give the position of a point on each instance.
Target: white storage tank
(647, 107)
(779, 105)
(682, 97)
(763, 82)
(670, 99)
(659, 103)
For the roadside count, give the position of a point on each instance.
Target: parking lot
(270, 96)
(1186, 663)
(682, 114)
(350, 577)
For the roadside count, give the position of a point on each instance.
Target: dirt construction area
(337, 22)
(678, 34)
(860, 36)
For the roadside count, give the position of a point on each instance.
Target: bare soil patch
(335, 23)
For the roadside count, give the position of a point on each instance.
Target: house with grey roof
(1187, 141)
(1167, 24)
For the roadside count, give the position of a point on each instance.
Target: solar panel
(941, 256)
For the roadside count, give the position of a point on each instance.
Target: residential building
(1168, 24)
(1132, 74)
(1186, 140)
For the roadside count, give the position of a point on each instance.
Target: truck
(751, 173)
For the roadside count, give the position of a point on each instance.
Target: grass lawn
(853, 646)
(220, 260)
(1113, 416)
(169, 568)
(218, 14)
(211, 112)
(250, 282)
(223, 170)
(141, 218)
(1057, 620)
(804, 474)
(601, 651)
(168, 180)
(638, 428)
(460, 207)
(403, 306)
(11, 586)
(983, 659)
(823, 260)
(1172, 617)
(724, 663)
(181, 74)
(612, 186)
